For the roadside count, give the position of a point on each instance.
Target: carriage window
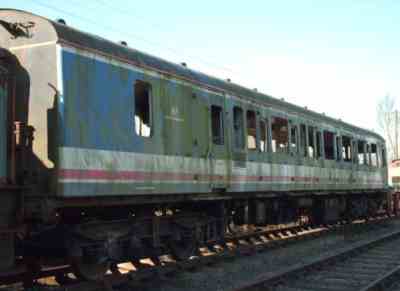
(238, 127)
(251, 130)
(293, 138)
(143, 109)
(374, 155)
(318, 144)
(217, 125)
(380, 162)
(311, 146)
(354, 152)
(368, 157)
(338, 147)
(361, 152)
(303, 139)
(280, 135)
(263, 137)
(384, 161)
(346, 149)
(329, 145)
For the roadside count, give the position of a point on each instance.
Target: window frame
(347, 151)
(266, 132)
(149, 86)
(325, 134)
(235, 130)
(287, 147)
(319, 144)
(247, 130)
(303, 140)
(311, 144)
(221, 137)
(296, 148)
(364, 153)
(376, 163)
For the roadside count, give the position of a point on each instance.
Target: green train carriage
(102, 141)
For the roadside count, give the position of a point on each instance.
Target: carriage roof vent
(124, 43)
(228, 80)
(183, 64)
(61, 21)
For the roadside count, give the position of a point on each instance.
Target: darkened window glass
(319, 144)
(238, 127)
(329, 146)
(217, 125)
(303, 139)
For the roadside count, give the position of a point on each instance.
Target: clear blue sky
(337, 57)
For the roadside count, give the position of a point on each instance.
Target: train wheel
(183, 249)
(89, 271)
(115, 269)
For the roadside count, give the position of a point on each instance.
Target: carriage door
(219, 158)
(3, 123)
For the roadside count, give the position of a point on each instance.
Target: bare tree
(387, 118)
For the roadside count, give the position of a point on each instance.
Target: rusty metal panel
(3, 124)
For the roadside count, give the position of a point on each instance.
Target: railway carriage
(108, 154)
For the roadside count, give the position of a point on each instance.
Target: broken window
(311, 145)
(374, 155)
(293, 138)
(263, 136)
(217, 124)
(143, 109)
(238, 127)
(318, 144)
(329, 147)
(251, 130)
(280, 135)
(303, 139)
(361, 152)
(346, 149)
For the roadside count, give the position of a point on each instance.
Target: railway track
(370, 265)
(244, 244)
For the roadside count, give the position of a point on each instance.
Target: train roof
(65, 34)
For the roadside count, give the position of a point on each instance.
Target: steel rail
(135, 278)
(269, 281)
(280, 237)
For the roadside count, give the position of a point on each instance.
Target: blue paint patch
(98, 107)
